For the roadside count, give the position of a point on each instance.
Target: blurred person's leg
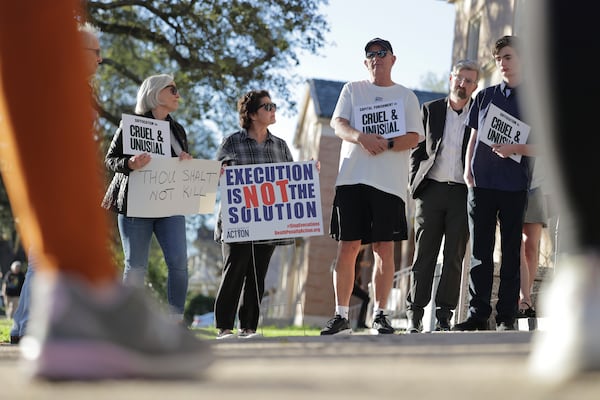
(83, 325)
(21, 316)
(562, 37)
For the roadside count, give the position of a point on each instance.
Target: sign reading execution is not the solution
(271, 201)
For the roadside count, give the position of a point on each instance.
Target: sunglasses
(173, 89)
(269, 106)
(379, 54)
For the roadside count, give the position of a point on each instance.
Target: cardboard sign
(271, 201)
(500, 127)
(146, 135)
(170, 186)
(381, 118)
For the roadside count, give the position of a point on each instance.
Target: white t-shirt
(387, 171)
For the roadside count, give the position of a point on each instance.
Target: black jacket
(115, 198)
(423, 156)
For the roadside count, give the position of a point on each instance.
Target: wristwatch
(390, 143)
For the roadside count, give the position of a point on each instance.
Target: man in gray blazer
(440, 193)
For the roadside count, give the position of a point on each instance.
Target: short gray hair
(467, 64)
(147, 96)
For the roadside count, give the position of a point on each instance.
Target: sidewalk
(469, 365)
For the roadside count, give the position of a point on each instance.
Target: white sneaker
(225, 334)
(569, 345)
(248, 334)
(72, 335)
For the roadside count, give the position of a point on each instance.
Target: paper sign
(146, 135)
(500, 127)
(381, 118)
(270, 201)
(170, 186)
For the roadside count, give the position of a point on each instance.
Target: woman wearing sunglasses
(157, 98)
(245, 264)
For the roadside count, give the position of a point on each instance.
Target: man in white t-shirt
(379, 121)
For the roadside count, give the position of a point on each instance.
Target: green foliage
(217, 50)
(198, 305)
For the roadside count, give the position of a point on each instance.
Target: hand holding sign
(139, 161)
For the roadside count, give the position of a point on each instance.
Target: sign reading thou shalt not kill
(146, 135)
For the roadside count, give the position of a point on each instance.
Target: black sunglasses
(173, 88)
(269, 106)
(380, 53)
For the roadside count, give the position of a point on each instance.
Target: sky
(421, 33)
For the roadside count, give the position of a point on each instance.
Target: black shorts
(361, 212)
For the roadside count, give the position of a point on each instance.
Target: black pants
(486, 208)
(244, 271)
(440, 213)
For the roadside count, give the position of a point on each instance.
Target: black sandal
(528, 312)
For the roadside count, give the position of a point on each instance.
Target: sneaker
(442, 325)
(471, 324)
(381, 325)
(225, 334)
(414, 326)
(337, 326)
(248, 334)
(505, 326)
(72, 335)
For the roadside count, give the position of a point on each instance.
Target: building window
(473, 38)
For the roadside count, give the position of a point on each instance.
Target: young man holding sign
(379, 121)
(498, 177)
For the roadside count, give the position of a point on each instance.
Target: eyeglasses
(97, 51)
(173, 89)
(461, 79)
(379, 54)
(269, 106)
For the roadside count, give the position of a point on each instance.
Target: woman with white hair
(157, 97)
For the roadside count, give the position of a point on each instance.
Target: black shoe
(414, 326)
(471, 324)
(528, 312)
(337, 326)
(382, 325)
(505, 326)
(442, 325)
(15, 339)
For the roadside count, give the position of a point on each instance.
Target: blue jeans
(21, 315)
(136, 235)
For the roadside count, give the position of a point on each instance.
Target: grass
(266, 331)
(5, 325)
(204, 333)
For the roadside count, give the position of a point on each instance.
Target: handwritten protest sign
(170, 186)
(146, 135)
(381, 118)
(500, 127)
(271, 201)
